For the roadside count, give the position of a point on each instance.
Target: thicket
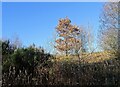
(32, 66)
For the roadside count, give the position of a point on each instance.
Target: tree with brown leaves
(68, 41)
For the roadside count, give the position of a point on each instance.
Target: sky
(35, 22)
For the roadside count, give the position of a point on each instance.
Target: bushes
(21, 63)
(72, 73)
(32, 66)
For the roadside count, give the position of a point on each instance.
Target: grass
(89, 57)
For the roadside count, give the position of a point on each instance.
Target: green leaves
(27, 58)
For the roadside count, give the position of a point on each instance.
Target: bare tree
(109, 27)
(16, 42)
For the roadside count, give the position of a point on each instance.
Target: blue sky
(35, 22)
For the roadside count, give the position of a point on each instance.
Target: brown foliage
(67, 33)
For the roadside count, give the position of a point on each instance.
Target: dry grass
(89, 57)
